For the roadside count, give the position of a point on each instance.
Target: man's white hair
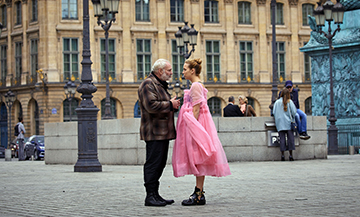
(159, 64)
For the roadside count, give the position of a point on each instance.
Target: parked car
(35, 146)
(14, 146)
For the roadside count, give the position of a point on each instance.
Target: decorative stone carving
(293, 2)
(261, 2)
(194, 1)
(346, 79)
(228, 1)
(9, 3)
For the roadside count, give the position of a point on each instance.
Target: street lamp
(87, 111)
(70, 89)
(274, 89)
(104, 8)
(330, 12)
(9, 99)
(185, 36)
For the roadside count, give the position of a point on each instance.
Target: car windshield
(40, 139)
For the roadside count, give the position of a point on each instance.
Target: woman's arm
(196, 110)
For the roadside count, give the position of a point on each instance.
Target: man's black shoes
(152, 200)
(162, 199)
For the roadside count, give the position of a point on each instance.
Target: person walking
(197, 149)
(157, 127)
(284, 111)
(20, 138)
(232, 110)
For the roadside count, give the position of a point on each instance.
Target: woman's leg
(200, 182)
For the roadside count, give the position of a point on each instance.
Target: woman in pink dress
(197, 149)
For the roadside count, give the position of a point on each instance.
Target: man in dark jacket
(232, 110)
(157, 127)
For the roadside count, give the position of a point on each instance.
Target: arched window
(70, 116)
(112, 108)
(4, 125)
(214, 104)
(137, 112)
(308, 106)
(251, 101)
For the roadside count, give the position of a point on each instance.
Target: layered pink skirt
(197, 149)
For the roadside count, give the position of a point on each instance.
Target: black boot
(152, 200)
(194, 198)
(162, 199)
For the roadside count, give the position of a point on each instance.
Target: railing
(348, 136)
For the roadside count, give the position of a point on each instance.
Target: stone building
(234, 42)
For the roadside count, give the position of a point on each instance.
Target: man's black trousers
(156, 156)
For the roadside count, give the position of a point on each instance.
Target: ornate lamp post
(330, 12)
(274, 89)
(87, 111)
(104, 8)
(70, 89)
(185, 36)
(9, 99)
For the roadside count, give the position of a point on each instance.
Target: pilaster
(127, 52)
(231, 75)
(295, 20)
(160, 37)
(25, 47)
(264, 52)
(48, 18)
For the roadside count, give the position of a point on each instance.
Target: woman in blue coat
(284, 112)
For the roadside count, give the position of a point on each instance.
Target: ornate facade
(234, 42)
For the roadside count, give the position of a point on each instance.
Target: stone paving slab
(328, 187)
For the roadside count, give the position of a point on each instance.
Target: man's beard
(165, 77)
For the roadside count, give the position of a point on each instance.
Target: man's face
(166, 73)
(290, 88)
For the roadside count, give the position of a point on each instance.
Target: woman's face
(187, 71)
(241, 101)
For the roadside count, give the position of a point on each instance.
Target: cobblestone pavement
(328, 187)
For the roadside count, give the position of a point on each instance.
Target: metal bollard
(351, 150)
(7, 154)
(32, 157)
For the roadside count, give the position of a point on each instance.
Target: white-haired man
(157, 127)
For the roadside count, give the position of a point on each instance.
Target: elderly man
(232, 110)
(157, 127)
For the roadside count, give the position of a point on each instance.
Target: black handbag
(294, 126)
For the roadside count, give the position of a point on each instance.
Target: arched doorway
(4, 125)
(113, 111)
(34, 117)
(214, 104)
(70, 116)
(137, 112)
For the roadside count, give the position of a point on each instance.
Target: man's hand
(175, 102)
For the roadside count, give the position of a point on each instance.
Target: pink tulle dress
(197, 149)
